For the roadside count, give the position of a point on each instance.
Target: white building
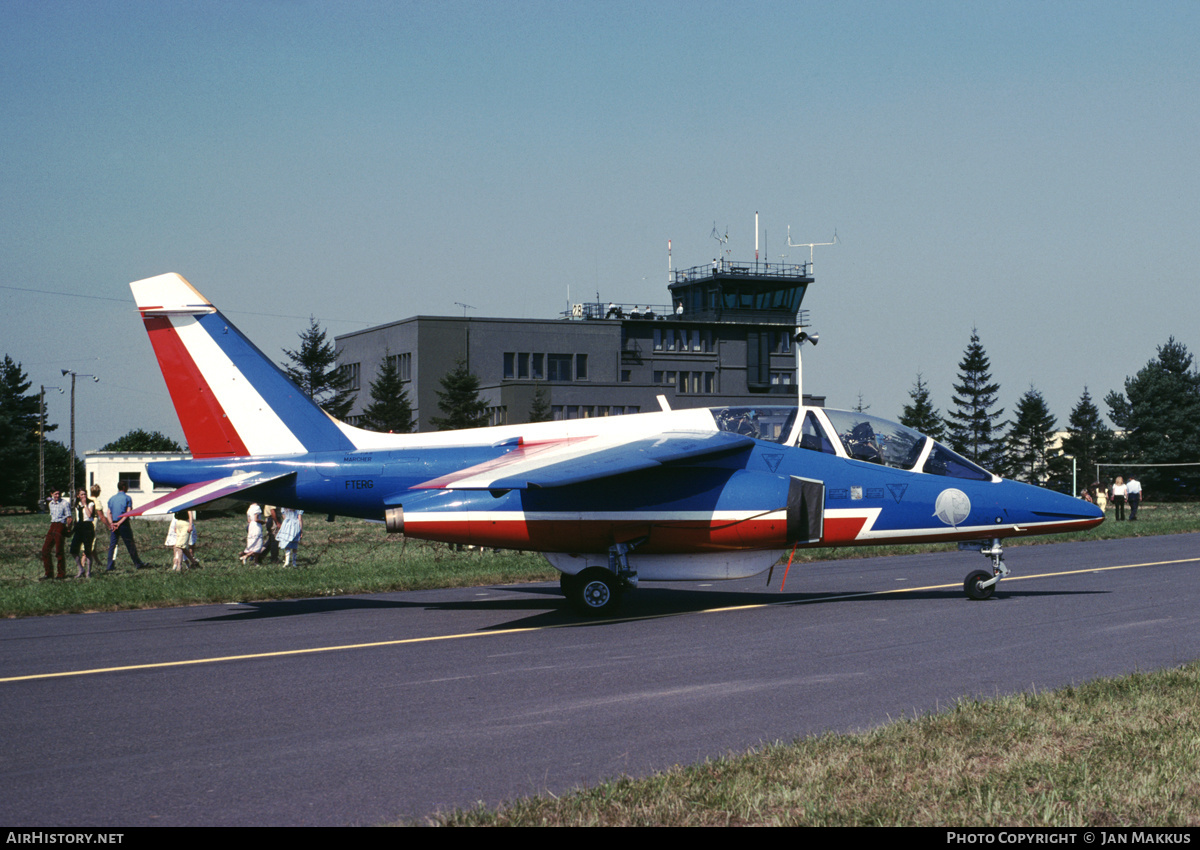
(109, 468)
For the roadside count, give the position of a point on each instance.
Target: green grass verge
(1117, 752)
(338, 558)
(350, 556)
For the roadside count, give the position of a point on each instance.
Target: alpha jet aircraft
(677, 495)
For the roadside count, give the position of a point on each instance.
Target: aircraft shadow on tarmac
(544, 605)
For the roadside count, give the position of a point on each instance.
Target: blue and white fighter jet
(677, 495)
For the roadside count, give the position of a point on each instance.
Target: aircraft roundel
(952, 506)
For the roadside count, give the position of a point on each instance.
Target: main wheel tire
(972, 588)
(569, 585)
(595, 592)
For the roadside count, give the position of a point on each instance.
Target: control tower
(746, 293)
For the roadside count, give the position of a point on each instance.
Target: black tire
(568, 584)
(972, 588)
(595, 592)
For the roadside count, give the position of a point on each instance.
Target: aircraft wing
(559, 463)
(202, 493)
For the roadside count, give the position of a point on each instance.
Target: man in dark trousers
(60, 521)
(118, 505)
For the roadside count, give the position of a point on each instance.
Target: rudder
(231, 400)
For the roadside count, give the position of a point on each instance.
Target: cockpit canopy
(859, 437)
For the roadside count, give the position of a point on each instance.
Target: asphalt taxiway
(358, 710)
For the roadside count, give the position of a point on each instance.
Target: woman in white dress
(290, 532)
(254, 535)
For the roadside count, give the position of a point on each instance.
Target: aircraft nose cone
(1070, 507)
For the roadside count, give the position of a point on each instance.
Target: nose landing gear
(980, 584)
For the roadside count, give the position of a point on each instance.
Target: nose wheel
(981, 584)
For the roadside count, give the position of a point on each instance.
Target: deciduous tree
(141, 441)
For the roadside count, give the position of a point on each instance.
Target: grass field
(1117, 752)
(336, 558)
(350, 557)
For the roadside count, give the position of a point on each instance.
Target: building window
(133, 480)
(403, 365)
(658, 339)
(581, 367)
(523, 366)
(539, 371)
(350, 372)
(498, 415)
(510, 365)
(559, 367)
(626, 376)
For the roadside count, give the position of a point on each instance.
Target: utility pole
(73, 376)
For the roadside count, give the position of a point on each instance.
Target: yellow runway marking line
(497, 632)
(1003, 581)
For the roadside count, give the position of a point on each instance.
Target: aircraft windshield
(761, 423)
(876, 440)
(942, 461)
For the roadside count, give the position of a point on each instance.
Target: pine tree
(1160, 412)
(1088, 442)
(921, 414)
(20, 419)
(389, 410)
(1028, 440)
(459, 400)
(313, 367)
(974, 427)
(540, 411)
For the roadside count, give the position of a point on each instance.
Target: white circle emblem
(952, 506)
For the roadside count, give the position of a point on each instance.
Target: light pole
(800, 338)
(73, 376)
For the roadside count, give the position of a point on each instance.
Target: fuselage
(736, 501)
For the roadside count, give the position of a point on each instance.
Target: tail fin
(231, 399)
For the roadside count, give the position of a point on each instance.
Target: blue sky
(1028, 169)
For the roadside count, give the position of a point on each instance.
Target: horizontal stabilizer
(204, 492)
(561, 463)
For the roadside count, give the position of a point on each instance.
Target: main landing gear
(596, 591)
(980, 584)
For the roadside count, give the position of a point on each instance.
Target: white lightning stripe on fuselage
(605, 516)
(260, 428)
(631, 426)
(871, 515)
